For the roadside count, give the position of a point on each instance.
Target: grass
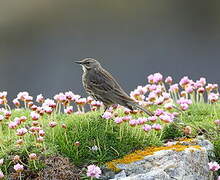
(111, 140)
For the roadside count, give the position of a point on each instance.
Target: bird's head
(88, 63)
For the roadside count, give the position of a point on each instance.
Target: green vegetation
(88, 138)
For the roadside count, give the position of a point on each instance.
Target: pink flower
(201, 90)
(23, 118)
(183, 100)
(152, 87)
(158, 112)
(126, 118)
(93, 171)
(17, 120)
(133, 122)
(18, 167)
(1, 161)
(69, 95)
(152, 118)
(157, 78)
(68, 110)
(118, 120)
(217, 122)
(147, 127)
(40, 139)
(1, 117)
(202, 80)
(212, 97)
(47, 109)
(81, 101)
(40, 98)
(166, 118)
(21, 132)
(3, 94)
(52, 124)
(189, 89)
(16, 102)
(151, 78)
(32, 156)
(60, 97)
(184, 81)
(34, 115)
(1, 175)
(141, 120)
(49, 102)
(174, 88)
(168, 106)
(184, 106)
(213, 166)
(157, 127)
(169, 80)
(107, 115)
(12, 125)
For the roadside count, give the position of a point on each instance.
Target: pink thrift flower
(18, 167)
(52, 124)
(118, 120)
(93, 171)
(1, 175)
(152, 87)
(157, 78)
(133, 122)
(12, 125)
(141, 120)
(32, 156)
(3, 94)
(68, 110)
(150, 79)
(34, 115)
(107, 115)
(158, 112)
(40, 98)
(184, 106)
(166, 118)
(217, 122)
(174, 88)
(201, 90)
(189, 89)
(17, 120)
(69, 95)
(81, 101)
(21, 132)
(60, 97)
(152, 118)
(23, 118)
(47, 109)
(213, 166)
(157, 127)
(49, 102)
(40, 139)
(126, 118)
(16, 102)
(147, 127)
(1, 117)
(212, 97)
(1, 161)
(184, 81)
(169, 80)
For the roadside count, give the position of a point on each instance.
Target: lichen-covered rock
(180, 160)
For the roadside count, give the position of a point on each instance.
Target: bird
(102, 86)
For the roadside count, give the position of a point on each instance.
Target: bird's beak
(78, 62)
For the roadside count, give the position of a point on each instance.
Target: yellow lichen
(140, 154)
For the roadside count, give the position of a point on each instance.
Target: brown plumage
(101, 85)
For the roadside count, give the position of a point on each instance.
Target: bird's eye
(87, 63)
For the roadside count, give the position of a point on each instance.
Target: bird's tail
(143, 109)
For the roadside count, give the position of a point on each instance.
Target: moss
(140, 154)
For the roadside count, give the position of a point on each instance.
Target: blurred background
(39, 40)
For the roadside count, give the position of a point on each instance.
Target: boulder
(186, 159)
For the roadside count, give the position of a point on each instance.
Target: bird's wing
(103, 82)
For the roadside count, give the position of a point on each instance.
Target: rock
(183, 160)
